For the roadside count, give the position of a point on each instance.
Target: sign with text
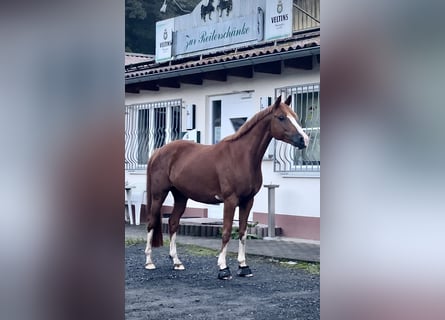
(223, 23)
(164, 39)
(225, 33)
(278, 19)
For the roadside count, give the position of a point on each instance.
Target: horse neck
(255, 142)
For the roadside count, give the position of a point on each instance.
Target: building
(215, 68)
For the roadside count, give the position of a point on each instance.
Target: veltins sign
(164, 39)
(278, 19)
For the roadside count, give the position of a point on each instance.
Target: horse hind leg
(154, 228)
(173, 226)
(149, 265)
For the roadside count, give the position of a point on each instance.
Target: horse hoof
(244, 272)
(225, 274)
(178, 267)
(150, 266)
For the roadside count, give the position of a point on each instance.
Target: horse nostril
(299, 141)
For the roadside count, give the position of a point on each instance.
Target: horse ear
(288, 100)
(277, 102)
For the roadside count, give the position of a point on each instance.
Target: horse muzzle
(298, 141)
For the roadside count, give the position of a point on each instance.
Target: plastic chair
(139, 199)
(128, 203)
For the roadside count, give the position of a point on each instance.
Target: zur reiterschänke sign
(223, 23)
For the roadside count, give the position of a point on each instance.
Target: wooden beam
(152, 86)
(215, 75)
(269, 67)
(169, 83)
(131, 88)
(304, 63)
(192, 79)
(244, 72)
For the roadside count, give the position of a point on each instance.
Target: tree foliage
(141, 17)
(134, 9)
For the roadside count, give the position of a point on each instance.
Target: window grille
(149, 126)
(306, 103)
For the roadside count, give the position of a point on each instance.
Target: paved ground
(275, 291)
(286, 248)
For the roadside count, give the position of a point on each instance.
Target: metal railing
(149, 126)
(306, 103)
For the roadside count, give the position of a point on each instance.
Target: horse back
(191, 168)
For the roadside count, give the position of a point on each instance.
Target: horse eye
(281, 118)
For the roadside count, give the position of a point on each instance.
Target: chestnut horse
(228, 172)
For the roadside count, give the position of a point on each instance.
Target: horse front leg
(177, 264)
(229, 211)
(244, 210)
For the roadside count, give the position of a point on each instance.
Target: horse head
(285, 124)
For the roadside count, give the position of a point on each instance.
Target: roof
(286, 49)
(137, 58)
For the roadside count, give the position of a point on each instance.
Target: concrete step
(212, 228)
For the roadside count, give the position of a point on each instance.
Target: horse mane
(249, 124)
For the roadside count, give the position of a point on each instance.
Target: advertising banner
(227, 23)
(278, 19)
(164, 39)
(215, 35)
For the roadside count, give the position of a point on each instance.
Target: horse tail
(154, 221)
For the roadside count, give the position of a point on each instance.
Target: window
(216, 121)
(306, 103)
(149, 126)
(306, 15)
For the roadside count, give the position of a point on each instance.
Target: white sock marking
(222, 258)
(148, 262)
(242, 251)
(176, 262)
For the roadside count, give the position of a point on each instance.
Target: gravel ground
(274, 292)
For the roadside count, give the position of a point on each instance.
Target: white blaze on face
(299, 128)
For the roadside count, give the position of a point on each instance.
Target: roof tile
(146, 62)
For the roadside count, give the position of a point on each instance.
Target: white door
(229, 112)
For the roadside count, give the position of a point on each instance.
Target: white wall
(295, 196)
